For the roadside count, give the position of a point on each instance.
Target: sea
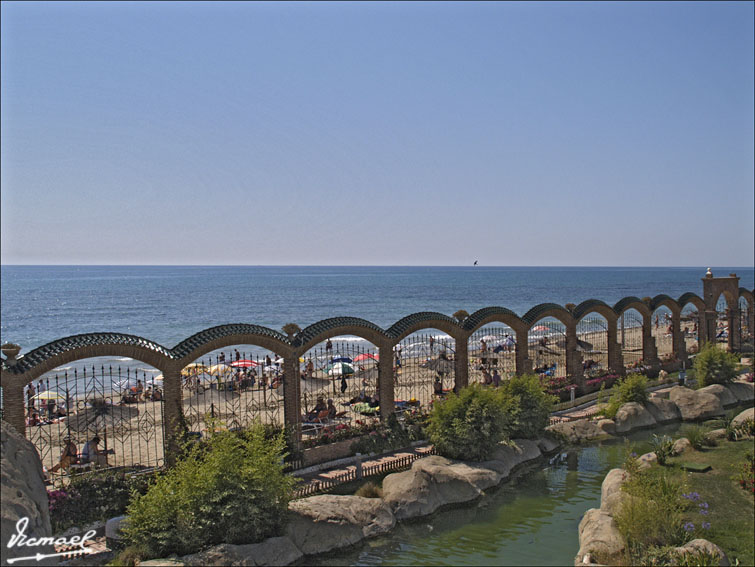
(167, 304)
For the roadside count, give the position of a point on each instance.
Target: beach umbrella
(366, 356)
(193, 369)
(245, 363)
(340, 369)
(98, 416)
(442, 365)
(48, 395)
(271, 368)
(341, 359)
(541, 329)
(219, 370)
(490, 338)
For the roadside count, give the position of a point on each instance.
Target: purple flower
(703, 511)
(633, 455)
(703, 505)
(706, 525)
(689, 526)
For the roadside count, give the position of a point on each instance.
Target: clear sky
(378, 133)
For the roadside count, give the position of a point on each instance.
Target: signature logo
(20, 539)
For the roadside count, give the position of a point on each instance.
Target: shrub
(652, 495)
(633, 388)
(369, 490)
(530, 404)
(663, 447)
(746, 478)
(230, 488)
(715, 366)
(696, 437)
(94, 496)
(470, 424)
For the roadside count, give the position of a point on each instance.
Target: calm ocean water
(169, 303)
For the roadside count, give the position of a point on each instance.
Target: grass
(730, 508)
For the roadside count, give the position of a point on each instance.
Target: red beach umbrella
(245, 363)
(366, 356)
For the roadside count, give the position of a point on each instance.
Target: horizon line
(371, 266)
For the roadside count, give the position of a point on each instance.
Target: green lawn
(730, 508)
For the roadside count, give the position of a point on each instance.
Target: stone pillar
(735, 342)
(292, 399)
(678, 343)
(649, 349)
(461, 363)
(385, 380)
(615, 358)
(523, 361)
(573, 358)
(710, 318)
(173, 419)
(14, 404)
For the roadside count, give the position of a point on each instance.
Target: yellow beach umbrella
(49, 395)
(219, 370)
(193, 369)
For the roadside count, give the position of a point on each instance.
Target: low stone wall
(327, 453)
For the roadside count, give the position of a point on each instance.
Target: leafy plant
(663, 447)
(369, 490)
(696, 437)
(746, 477)
(94, 496)
(230, 488)
(633, 388)
(715, 366)
(470, 424)
(531, 407)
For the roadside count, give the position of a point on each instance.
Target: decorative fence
(139, 397)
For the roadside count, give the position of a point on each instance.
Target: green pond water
(529, 520)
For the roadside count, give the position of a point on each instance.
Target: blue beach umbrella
(341, 359)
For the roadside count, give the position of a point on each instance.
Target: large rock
(548, 444)
(23, 495)
(633, 416)
(321, 523)
(433, 482)
(743, 391)
(577, 431)
(749, 413)
(599, 536)
(696, 405)
(646, 461)
(607, 426)
(663, 410)
(507, 457)
(681, 445)
(723, 393)
(276, 551)
(610, 490)
(698, 545)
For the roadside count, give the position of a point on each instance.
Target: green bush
(94, 496)
(715, 366)
(230, 488)
(530, 403)
(470, 424)
(633, 388)
(696, 437)
(651, 495)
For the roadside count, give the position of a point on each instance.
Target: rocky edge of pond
(599, 535)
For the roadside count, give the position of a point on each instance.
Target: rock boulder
(633, 416)
(743, 391)
(577, 431)
(723, 393)
(276, 551)
(749, 413)
(681, 445)
(663, 410)
(321, 523)
(696, 405)
(610, 490)
(23, 493)
(599, 536)
(699, 545)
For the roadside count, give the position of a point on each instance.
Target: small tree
(230, 488)
(633, 388)
(714, 366)
(531, 405)
(470, 424)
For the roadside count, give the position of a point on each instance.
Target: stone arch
(544, 310)
(692, 298)
(336, 326)
(222, 336)
(632, 303)
(79, 347)
(494, 347)
(596, 306)
(425, 320)
(492, 315)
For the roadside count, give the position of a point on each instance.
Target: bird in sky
(475, 262)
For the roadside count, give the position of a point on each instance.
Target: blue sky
(378, 133)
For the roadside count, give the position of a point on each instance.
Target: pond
(530, 520)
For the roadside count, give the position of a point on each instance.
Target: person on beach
(221, 358)
(68, 457)
(332, 411)
(496, 378)
(310, 369)
(483, 346)
(438, 386)
(139, 391)
(238, 355)
(320, 406)
(432, 343)
(344, 385)
(91, 453)
(30, 397)
(328, 346)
